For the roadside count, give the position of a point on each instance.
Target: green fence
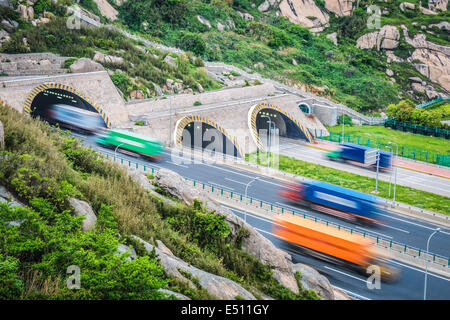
(405, 152)
(415, 128)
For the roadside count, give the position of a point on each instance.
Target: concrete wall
(326, 114)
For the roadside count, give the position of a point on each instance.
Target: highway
(417, 180)
(398, 228)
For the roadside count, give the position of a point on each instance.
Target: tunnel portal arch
(63, 92)
(289, 123)
(185, 124)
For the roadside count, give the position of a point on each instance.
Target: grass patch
(407, 195)
(406, 139)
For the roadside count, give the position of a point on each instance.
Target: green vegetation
(138, 71)
(406, 139)
(43, 168)
(354, 77)
(197, 103)
(414, 197)
(405, 111)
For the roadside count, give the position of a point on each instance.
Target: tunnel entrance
(200, 135)
(66, 109)
(304, 108)
(286, 127)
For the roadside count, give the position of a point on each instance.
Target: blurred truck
(362, 155)
(132, 143)
(334, 200)
(340, 247)
(74, 118)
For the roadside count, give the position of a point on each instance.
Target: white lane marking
(413, 223)
(346, 274)
(219, 186)
(352, 293)
(398, 229)
(236, 181)
(419, 270)
(176, 164)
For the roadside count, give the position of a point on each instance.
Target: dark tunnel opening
(286, 127)
(200, 135)
(66, 109)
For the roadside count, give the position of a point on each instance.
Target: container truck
(132, 143)
(334, 200)
(362, 155)
(352, 251)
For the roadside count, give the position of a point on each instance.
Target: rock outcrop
(313, 280)
(339, 7)
(434, 58)
(83, 65)
(106, 9)
(82, 208)
(386, 38)
(305, 13)
(217, 286)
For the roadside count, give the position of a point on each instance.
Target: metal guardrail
(404, 152)
(274, 209)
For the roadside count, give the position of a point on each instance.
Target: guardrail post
(282, 210)
(137, 165)
(212, 189)
(121, 161)
(390, 244)
(194, 183)
(231, 193)
(419, 252)
(405, 248)
(221, 192)
(144, 168)
(260, 205)
(241, 197)
(271, 207)
(129, 163)
(377, 239)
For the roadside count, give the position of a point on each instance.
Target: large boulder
(387, 38)
(434, 60)
(305, 13)
(82, 208)
(313, 280)
(339, 7)
(217, 286)
(84, 65)
(255, 244)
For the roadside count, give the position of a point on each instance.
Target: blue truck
(334, 200)
(362, 155)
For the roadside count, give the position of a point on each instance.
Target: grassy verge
(406, 139)
(407, 195)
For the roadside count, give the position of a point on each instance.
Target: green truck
(132, 143)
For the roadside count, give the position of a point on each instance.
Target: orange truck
(331, 244)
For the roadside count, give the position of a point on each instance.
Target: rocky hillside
(333, 48)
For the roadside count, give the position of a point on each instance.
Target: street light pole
(268, 142)
(426, 264)
(170, 121)
(395, 174)
(246, 188)
(115, 151)
(343, 124)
